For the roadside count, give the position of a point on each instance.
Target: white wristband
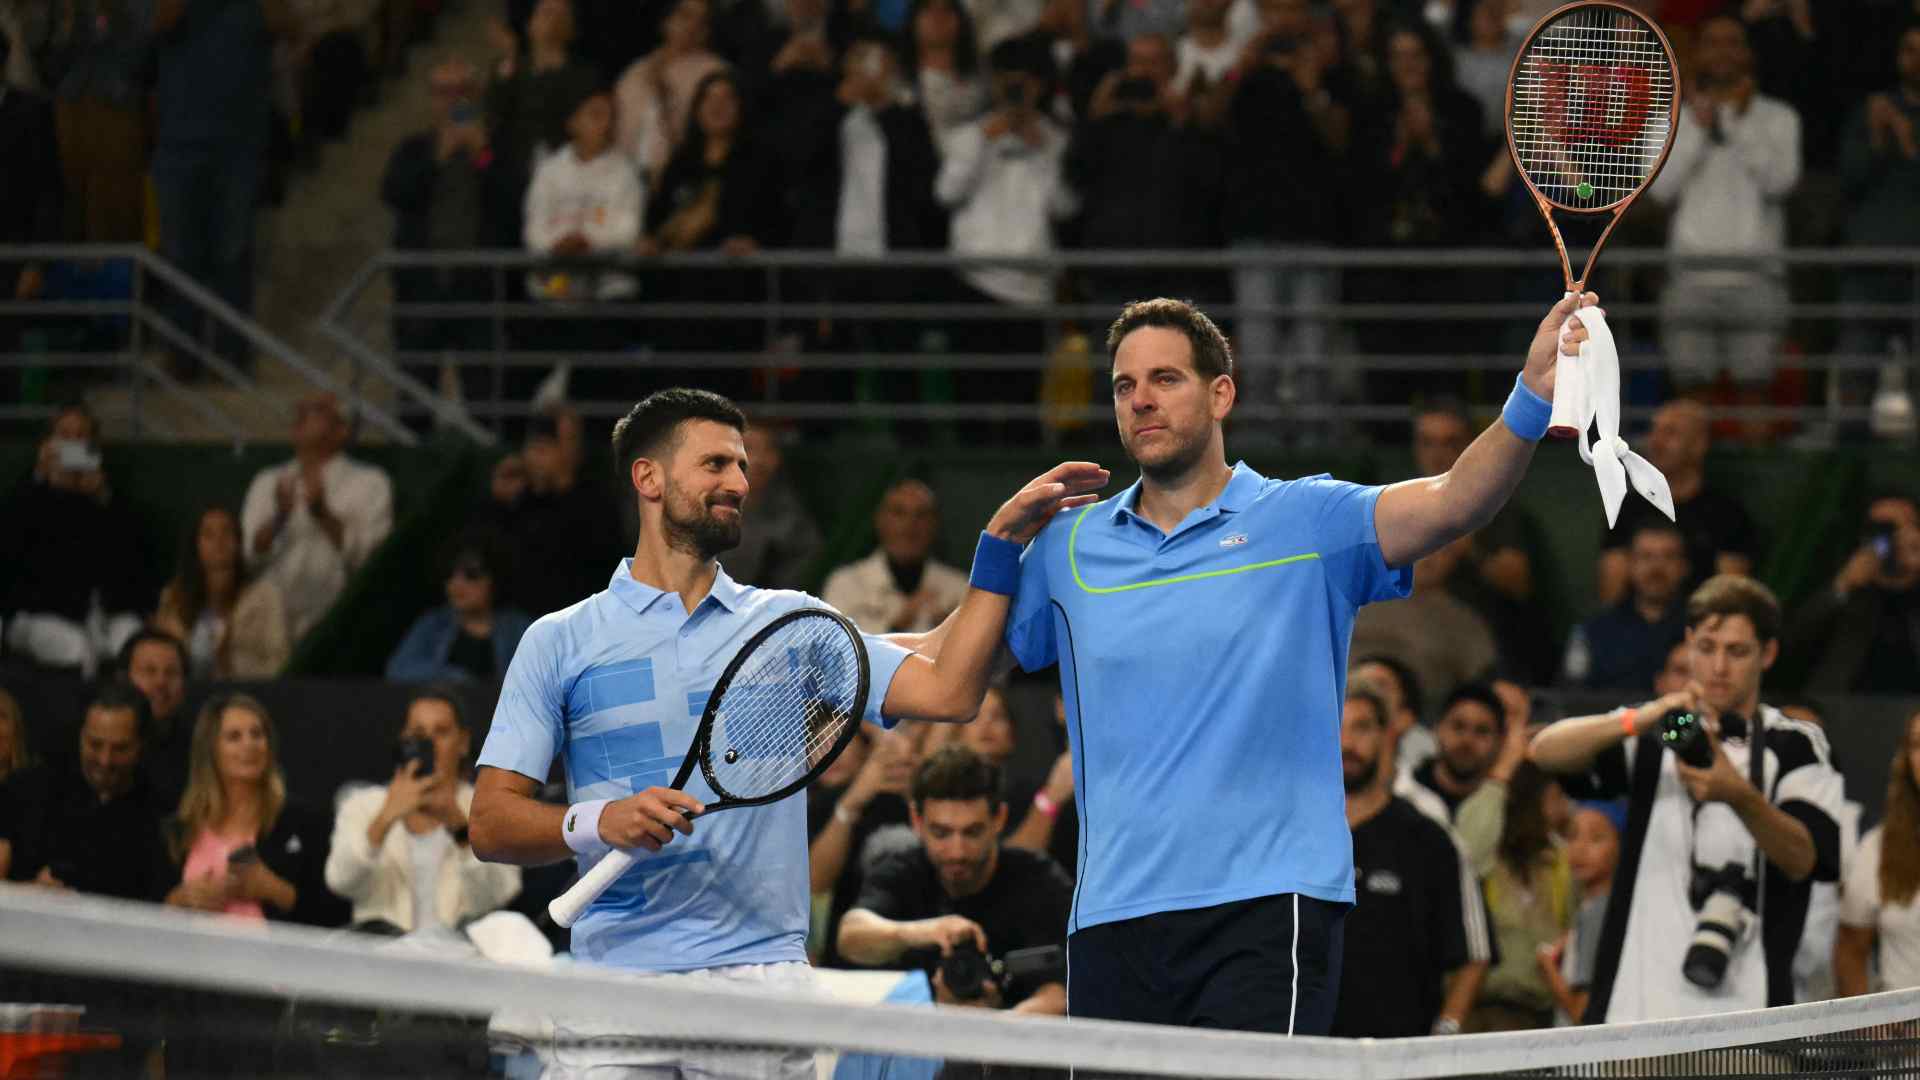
(581, 829)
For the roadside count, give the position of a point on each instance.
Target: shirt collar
(640, 597)
(1241, 487)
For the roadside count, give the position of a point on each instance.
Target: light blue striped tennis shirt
(616, 683)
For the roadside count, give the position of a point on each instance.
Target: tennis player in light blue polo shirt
(615, 686)
(1200, 620)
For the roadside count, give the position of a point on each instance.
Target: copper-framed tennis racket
(1593, 101)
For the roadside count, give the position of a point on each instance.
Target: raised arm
(1415, 518)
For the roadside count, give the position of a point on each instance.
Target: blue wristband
(996, 565)
(1527, 413)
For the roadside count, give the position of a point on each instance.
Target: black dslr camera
(1683, 733)
(967, 972)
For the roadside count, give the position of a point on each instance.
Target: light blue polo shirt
(1204, 673)
(617, 684)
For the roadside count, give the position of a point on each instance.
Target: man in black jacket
(1865, 628)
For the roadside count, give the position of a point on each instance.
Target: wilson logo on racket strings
(1593, 103)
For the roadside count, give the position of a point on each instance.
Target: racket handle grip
(568, 906)
(1571, 409)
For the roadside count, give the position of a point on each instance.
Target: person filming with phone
(1721, 847)
(1865, 628)
(985, 921)
(400, 853)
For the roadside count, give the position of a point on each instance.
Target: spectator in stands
(1406, 934)
(155, 663)
(30, 188)
(311, 523)
(996, 23)
(549, 521)
(779, 541)
(1625, 646)
(1146, 176)
(1593, 854)
(1749, 851)
(25, 787)
(1483, 50)
(655, 95)
(1472, 725)
(97, 66)
(470, 637)
(1287, 121)
(1050, 821)
(961, 887)
(1735, 159)
(445, 189)
(1880, 185)
(1125, 20)
(213, 103)
(1676, 672)
(900, 587)
(1496, 577)
(1785, 44)
(1208, 49)
(1002, 180)
(1479, 820)
(72, 583)
(993, 735)
(1399, 688)
(1879, 914)
(864, 791)
(530, 100)
(1864, 629)
(1530, 896)
(1721, 538)
(1444, 641)
(943, 66)
(399, 853)
(239, 845)
(584, 200)
(234, 624)
(101, 829)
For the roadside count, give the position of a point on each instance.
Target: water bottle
(1891, 415)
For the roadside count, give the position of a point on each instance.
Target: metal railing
(130, 334)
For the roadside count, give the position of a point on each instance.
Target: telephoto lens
(1686, 735)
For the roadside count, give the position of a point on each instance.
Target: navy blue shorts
(1270, 964)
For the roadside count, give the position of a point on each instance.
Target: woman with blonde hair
(234, 627)
(1880, 903)
(239, 844)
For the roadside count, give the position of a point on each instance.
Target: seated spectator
(1444, 641)
(1626, 647)
(72, 581)
(1880, 185)
(446, 190)
(1483, 50)
(1051, 823)
(399, 853)
(239, 845)
(1720, 535)
(24, 786)
(1864, 629)
(235, 626)
(943, 66)
(155, 663)
(309, 524)
(900, 587)
(1468, 735)
(779, 540)
(1879, 926)
(713, 191)
(584, 200)
(548, 521)
(530, 101)
(100, 832)
(960, 887)
(1530, 896)
(862, 792)
(655, 95)
(1399, 688)
(468, 638)
(1593, 853)
(1735, 159)
(992, 736)
(1405, 938)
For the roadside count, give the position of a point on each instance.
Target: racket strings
(784, 709)
(1591, 107)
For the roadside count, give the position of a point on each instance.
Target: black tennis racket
(787, 704)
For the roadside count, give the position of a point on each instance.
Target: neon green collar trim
(1073, 563)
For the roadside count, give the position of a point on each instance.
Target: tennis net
(99, 987)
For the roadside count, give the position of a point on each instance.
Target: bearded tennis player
(1200, 620)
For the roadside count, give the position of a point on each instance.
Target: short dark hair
(1657, 525)
(1372, 701)
(1733, 594)
(146, 634)
(1479, 693)
(956, 772)
(442, 692)
(1212, 356)
(1891, 494)
(1410, 688)
(1444, 405)
(75, 405)
(657, 419)
(117, 693)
